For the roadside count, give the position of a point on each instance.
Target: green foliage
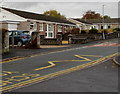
(83, 32)
(116, 29)
(54, 13)
(93, 15)
(106, 17)
(93, 31)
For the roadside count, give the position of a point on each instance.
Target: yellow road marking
(5, 73)
(12, 59)
(46, 53)
(83, 57)
(39, 54)
(56, 74)
(52, 63)
(92, 55)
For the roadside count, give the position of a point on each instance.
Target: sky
(69, 8)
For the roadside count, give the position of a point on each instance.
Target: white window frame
(59, 28)
(32, 24)
(41, 27)
(49, 31)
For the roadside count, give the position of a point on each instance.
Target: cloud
(69, 9)
(20, 5)
(62, 0)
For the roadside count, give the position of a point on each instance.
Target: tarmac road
(94, 71)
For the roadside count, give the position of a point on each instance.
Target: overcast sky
(70, 8)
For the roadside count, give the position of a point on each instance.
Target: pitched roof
(35, 16)
(83, 21)
(112, 20)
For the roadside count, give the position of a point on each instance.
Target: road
(81, 69)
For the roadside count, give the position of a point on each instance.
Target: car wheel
(19, 43)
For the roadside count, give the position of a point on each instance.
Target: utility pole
(103, 33)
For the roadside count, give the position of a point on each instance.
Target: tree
(54, 13)
(106, 17)
(93, 15)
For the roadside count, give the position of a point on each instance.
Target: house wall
(4, 25)
(26, 25)
(85, 27)
(8, 16)
(44, 29)
(112, 26)
(9, 26)
(23, 26)
(115, 26)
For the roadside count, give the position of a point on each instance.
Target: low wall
(51, 41)
(85, 38)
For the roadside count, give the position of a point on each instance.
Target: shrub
(83, 32)
(116, 29)
(93, 31)
(75, 31)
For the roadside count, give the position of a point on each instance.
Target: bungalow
(108, 23)
(82, 25)
(48, 26)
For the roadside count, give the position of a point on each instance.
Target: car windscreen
(26, 32)
(10, 33)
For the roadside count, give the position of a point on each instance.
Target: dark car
(20, 37)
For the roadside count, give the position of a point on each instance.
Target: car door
(16, 37)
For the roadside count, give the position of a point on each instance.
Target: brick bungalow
(48, 26)
(108, 23)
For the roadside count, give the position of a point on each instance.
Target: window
(109, 27)
(101, 27)
(50, 34)
(16, 33)
(41, 27)
(10, 33)
(50, 27)
(59, 28)
(26, 32)
(31, 26)
(49, 31)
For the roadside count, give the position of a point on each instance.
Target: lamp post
(103, 33)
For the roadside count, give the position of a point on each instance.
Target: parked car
(20, 37)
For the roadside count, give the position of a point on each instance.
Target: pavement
(21, 52)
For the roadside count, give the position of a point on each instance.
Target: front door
(49, 31)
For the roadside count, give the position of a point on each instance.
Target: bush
(116, 29)
(83, 32)
(75, 31)
(93, 31)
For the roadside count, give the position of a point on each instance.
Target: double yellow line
(56, 74)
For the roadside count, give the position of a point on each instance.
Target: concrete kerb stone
(116, 60)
